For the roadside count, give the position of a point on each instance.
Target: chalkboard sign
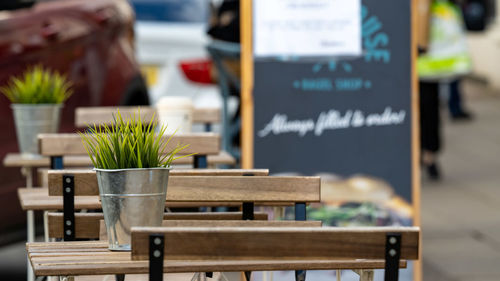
(342, 115)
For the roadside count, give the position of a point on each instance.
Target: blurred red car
(89, 40)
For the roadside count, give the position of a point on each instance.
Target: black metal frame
(156, 248)
(56, 162)
(392, 256)
(69, 207)
(300, 215)
(200, 161)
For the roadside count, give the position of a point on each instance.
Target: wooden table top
(94, 258)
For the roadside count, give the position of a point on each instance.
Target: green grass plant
(129, 144)
(38, 86)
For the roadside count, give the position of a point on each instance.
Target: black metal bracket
(200, 161)
(248, 207)
(120, 277)
(156, 248)
(208, 128)
(248, 214)
(300, 215)
(248, 211)
(300, 211)
(392, 255)
(56, 162)
(68, 185)
(300, 275)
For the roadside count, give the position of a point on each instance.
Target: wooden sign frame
(247, 106)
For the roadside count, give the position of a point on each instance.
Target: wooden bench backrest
(71, 144)
(104, 115)
(267, 243)
(209, 188)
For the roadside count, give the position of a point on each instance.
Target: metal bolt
(68, 232)
(157, 241)
(68, 222)
(68, 180)
(392, 252)
(156, 253)
(392, 240)
(67, 189)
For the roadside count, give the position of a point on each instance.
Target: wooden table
(94, 258)
(27, 164)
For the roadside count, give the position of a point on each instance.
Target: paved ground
(461, 213)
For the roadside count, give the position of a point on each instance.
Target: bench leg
(120, 277)
(364, 274)
(199, 276)
(300, 275)
(27, 172)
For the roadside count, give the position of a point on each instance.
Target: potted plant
(37, 97)
(132, 167)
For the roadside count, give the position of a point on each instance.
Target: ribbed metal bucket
(34, 119)
(131, 197)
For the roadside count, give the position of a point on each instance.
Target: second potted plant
(37, 97)
(132, 167)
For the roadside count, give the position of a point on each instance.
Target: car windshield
(176, 11)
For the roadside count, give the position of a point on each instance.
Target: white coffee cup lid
(174, 102)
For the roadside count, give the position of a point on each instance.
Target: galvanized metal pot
(34, 119)
(131, 197)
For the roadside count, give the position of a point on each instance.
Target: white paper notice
(307, 28)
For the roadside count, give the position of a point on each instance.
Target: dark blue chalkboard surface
(342, 115)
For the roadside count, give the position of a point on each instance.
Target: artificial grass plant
(38, 86)
(129, 144)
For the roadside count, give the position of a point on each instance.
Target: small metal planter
(34, 119)
(131, 197)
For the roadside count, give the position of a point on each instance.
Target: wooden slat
(227, 189)
(38, 199)
(207, 115)
(237, 243)
(86, 179)
(17, 160)
(93, 258)
(218, 223)
(244, 189)
(87, 225)
(71, 144)
(104, 115)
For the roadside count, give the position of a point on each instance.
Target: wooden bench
(242, 190)
(104, 115)
(200, 249)
(58, 145)
(38, 199)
